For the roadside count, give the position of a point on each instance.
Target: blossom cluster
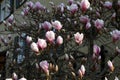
(51, 30)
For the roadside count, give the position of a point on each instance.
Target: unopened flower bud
(71, 57)
(44, 65)
(80, 73)
(59, 40)
(96, 50)
(118, 50)
(113, 15)
(29, 39)
(73, 74)
(37, 66)
(116, 78)
(47, 25)
(47, 73)
(88, 25)
(110, 65)
(82, 69)
(5, 23)
(84, 19)
(56, 68)
(50, 66)
(106, 78)
(66, 57)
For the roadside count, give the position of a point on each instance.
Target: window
(4, 11)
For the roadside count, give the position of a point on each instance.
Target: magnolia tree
(54, 40)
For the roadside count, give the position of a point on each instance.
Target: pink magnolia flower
(38, 6)
(29, 39)
(85, 4)
(99, 23)
(73, 8)
(14, 76)
(57, 25)
(79, 37)
(47, 25)
(59, 40)
(96, 50)
(42, 44)
(84, 19)
(115, 35)
(88, 25)
(50, 35)
(108, 4)
(34, 47)
(44, 65)
(30, 4)
(110, 65)
(11, 19)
